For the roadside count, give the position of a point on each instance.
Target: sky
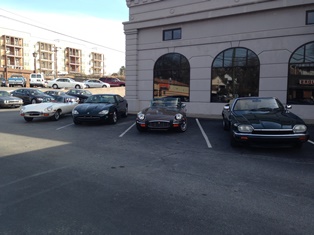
(98, 23)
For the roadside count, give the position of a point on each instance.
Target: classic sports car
(100, 108)
(80, 93)
(62, 105)
(263, 120)
(163, 114)
(8, 101)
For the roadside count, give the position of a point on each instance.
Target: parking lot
(59, 178)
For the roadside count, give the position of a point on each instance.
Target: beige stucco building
(209, 51)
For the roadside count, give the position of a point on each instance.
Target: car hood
(92, 108)
(160, 113)
(9, 98)
(268, 120)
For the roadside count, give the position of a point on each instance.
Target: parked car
(263, 120)
(3, 82)
(54, 110)
(80, 93)
(31, 95)
(37, 80)
(16, 80)
(114, 82)
(65, 83)
(8, 101)
(163, 114)
(94, 83)
(58, 93)
(101, 108)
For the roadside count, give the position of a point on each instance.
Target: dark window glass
(310, 17)
(301, 76)
(171, 34)
(235, 73)
(172, 77)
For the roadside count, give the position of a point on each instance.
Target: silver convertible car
(62, 105)
(263, 120)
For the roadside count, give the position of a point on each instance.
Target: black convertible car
(100, 108)
(163, 114)
(263, 120)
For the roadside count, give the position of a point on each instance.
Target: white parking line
(64, 126)
(204, 134)
(127, 130)
(310, 141)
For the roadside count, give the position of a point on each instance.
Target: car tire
(139, 128)
(114, 117)
(183, 126)
(55, 86)
(77, 87)
(33, 101)
(28, 119)
(87, 86)
(56, 116)
(126, 112)
(104, 86)
(225, 124)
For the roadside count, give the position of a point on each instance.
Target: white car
(95, 83)
(52, 110)
(65, 83)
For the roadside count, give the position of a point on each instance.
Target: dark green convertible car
(263, 120)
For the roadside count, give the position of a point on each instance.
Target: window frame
(172, 37)
(307, 17)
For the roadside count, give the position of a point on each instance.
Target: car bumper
(37, 114)
(11, 105)
(91, 118)
(159, 124)
(270, 138)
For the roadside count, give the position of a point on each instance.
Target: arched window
(235, 73)
(301, 75)
(172, 77)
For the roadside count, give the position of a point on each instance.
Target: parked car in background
(37, 80)
(3, 82)
(65, 83)
(114, 82)
(16, 80)
(80, 93)
(163, 114)
(94, 83)
(263, 120)
(53, 110)
(8, 101)
(101, 108)
(31, 95)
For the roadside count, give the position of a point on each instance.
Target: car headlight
(141, 116)
(299, 128)
(104, 112)
(74, 112)
(49, 108)
(6, 101)
(178, 116)
(245, 128)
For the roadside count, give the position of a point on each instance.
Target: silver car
(95, 83)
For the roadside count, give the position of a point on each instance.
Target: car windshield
(169, 103)
(256, 104)
(37, 92)
(101, 99)
(4, 93)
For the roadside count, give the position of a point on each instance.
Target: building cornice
(131, 3)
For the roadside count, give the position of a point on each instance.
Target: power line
(52, 31)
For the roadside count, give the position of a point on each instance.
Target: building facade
(23, 54)
(211, 51)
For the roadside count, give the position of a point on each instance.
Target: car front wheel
(28, 119)
(114, 118)
(56, 116)
(183, 126)
(77, 86)
(225, 124)
(55, 86)
(33, 101)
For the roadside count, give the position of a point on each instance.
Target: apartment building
(23, 54)
(210, 51)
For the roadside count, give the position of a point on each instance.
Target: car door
(121, 103)
(97, 84)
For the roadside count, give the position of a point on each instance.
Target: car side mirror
(288, 106)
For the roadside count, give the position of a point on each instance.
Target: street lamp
(35, 55)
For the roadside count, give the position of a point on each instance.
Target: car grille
(88, 118)
(14, 102)
(273, 131)
(159, 124)
(33, 114)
